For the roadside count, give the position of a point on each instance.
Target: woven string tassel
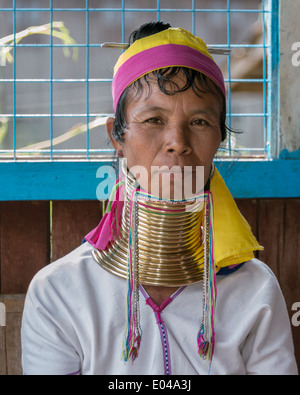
(206, 334)
(133, 333)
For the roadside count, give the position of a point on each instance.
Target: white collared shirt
(75, 316)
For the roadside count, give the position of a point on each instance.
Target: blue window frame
(50, 166)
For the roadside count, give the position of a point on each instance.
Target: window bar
(14, 80)
(87, 81)
(123, 21)
(158, 10)
(206, 10)
(264, 77)
(273, 71)
(229, 73)
(51, 79)
(60, 80)
(193, 18)
(97, 45)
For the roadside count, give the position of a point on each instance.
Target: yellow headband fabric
(173, 35)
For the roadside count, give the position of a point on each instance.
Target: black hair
(196, 80)
(148, 29)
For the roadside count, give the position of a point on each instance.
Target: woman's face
(181, 130)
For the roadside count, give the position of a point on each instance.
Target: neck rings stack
(163, 243)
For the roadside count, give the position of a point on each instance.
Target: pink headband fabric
(160, 57)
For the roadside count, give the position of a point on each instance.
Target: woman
(167, 283)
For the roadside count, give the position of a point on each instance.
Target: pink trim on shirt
(162, 327)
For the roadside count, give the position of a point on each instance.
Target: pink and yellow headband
(171, 47)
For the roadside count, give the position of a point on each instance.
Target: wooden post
(10, 335)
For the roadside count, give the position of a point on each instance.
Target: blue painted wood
(262, 179)
(273, 130)
(285, 154)
(89, 180)
(49, 180)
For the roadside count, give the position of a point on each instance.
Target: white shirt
(75, 316)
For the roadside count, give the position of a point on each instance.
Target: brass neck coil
(170, 245)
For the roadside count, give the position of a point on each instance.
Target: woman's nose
(177, 141)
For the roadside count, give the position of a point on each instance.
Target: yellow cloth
(234, 242)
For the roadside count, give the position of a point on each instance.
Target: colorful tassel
(206, 334)
(133, 332)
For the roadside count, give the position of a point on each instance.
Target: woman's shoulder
(254, 280)
(67, 271)
(259, 271)
(254, 269)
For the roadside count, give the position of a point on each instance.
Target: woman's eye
(200, 122)
(153, 121)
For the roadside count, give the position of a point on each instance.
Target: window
(55, 77)
(55, 86)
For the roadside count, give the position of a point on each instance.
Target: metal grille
(55, 78)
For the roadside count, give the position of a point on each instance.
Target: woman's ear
(109, 129)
